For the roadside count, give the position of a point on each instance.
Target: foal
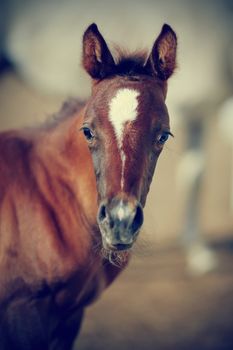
(72, 194)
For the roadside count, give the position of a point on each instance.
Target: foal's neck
(63, 153)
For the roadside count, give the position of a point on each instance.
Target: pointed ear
(97, 59)
(162, 60)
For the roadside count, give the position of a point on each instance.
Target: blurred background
(177, 292)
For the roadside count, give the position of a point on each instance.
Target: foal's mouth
(117, 247)
(117, 254)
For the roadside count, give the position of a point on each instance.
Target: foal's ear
(162, 60)
(97, 59)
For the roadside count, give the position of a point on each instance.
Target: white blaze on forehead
(122, 109)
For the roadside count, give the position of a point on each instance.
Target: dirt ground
(156, 304)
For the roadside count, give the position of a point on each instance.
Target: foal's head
(126, 125)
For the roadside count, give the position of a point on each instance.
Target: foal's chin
(117, 254)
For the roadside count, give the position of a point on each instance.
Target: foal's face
(126, 125)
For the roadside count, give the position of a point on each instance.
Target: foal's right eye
(88, 133)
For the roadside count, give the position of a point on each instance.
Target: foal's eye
(163, 137)
(88, 133)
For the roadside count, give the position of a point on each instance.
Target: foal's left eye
(88, 133)
(163, 137)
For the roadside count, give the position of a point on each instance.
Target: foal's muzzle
(120, 220)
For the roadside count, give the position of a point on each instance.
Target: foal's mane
(68, 109)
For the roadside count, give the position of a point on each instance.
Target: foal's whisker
(115, 258)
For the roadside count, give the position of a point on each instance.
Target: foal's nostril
(138, 219)
(102, 213)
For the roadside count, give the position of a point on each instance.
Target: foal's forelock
(123, 109)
